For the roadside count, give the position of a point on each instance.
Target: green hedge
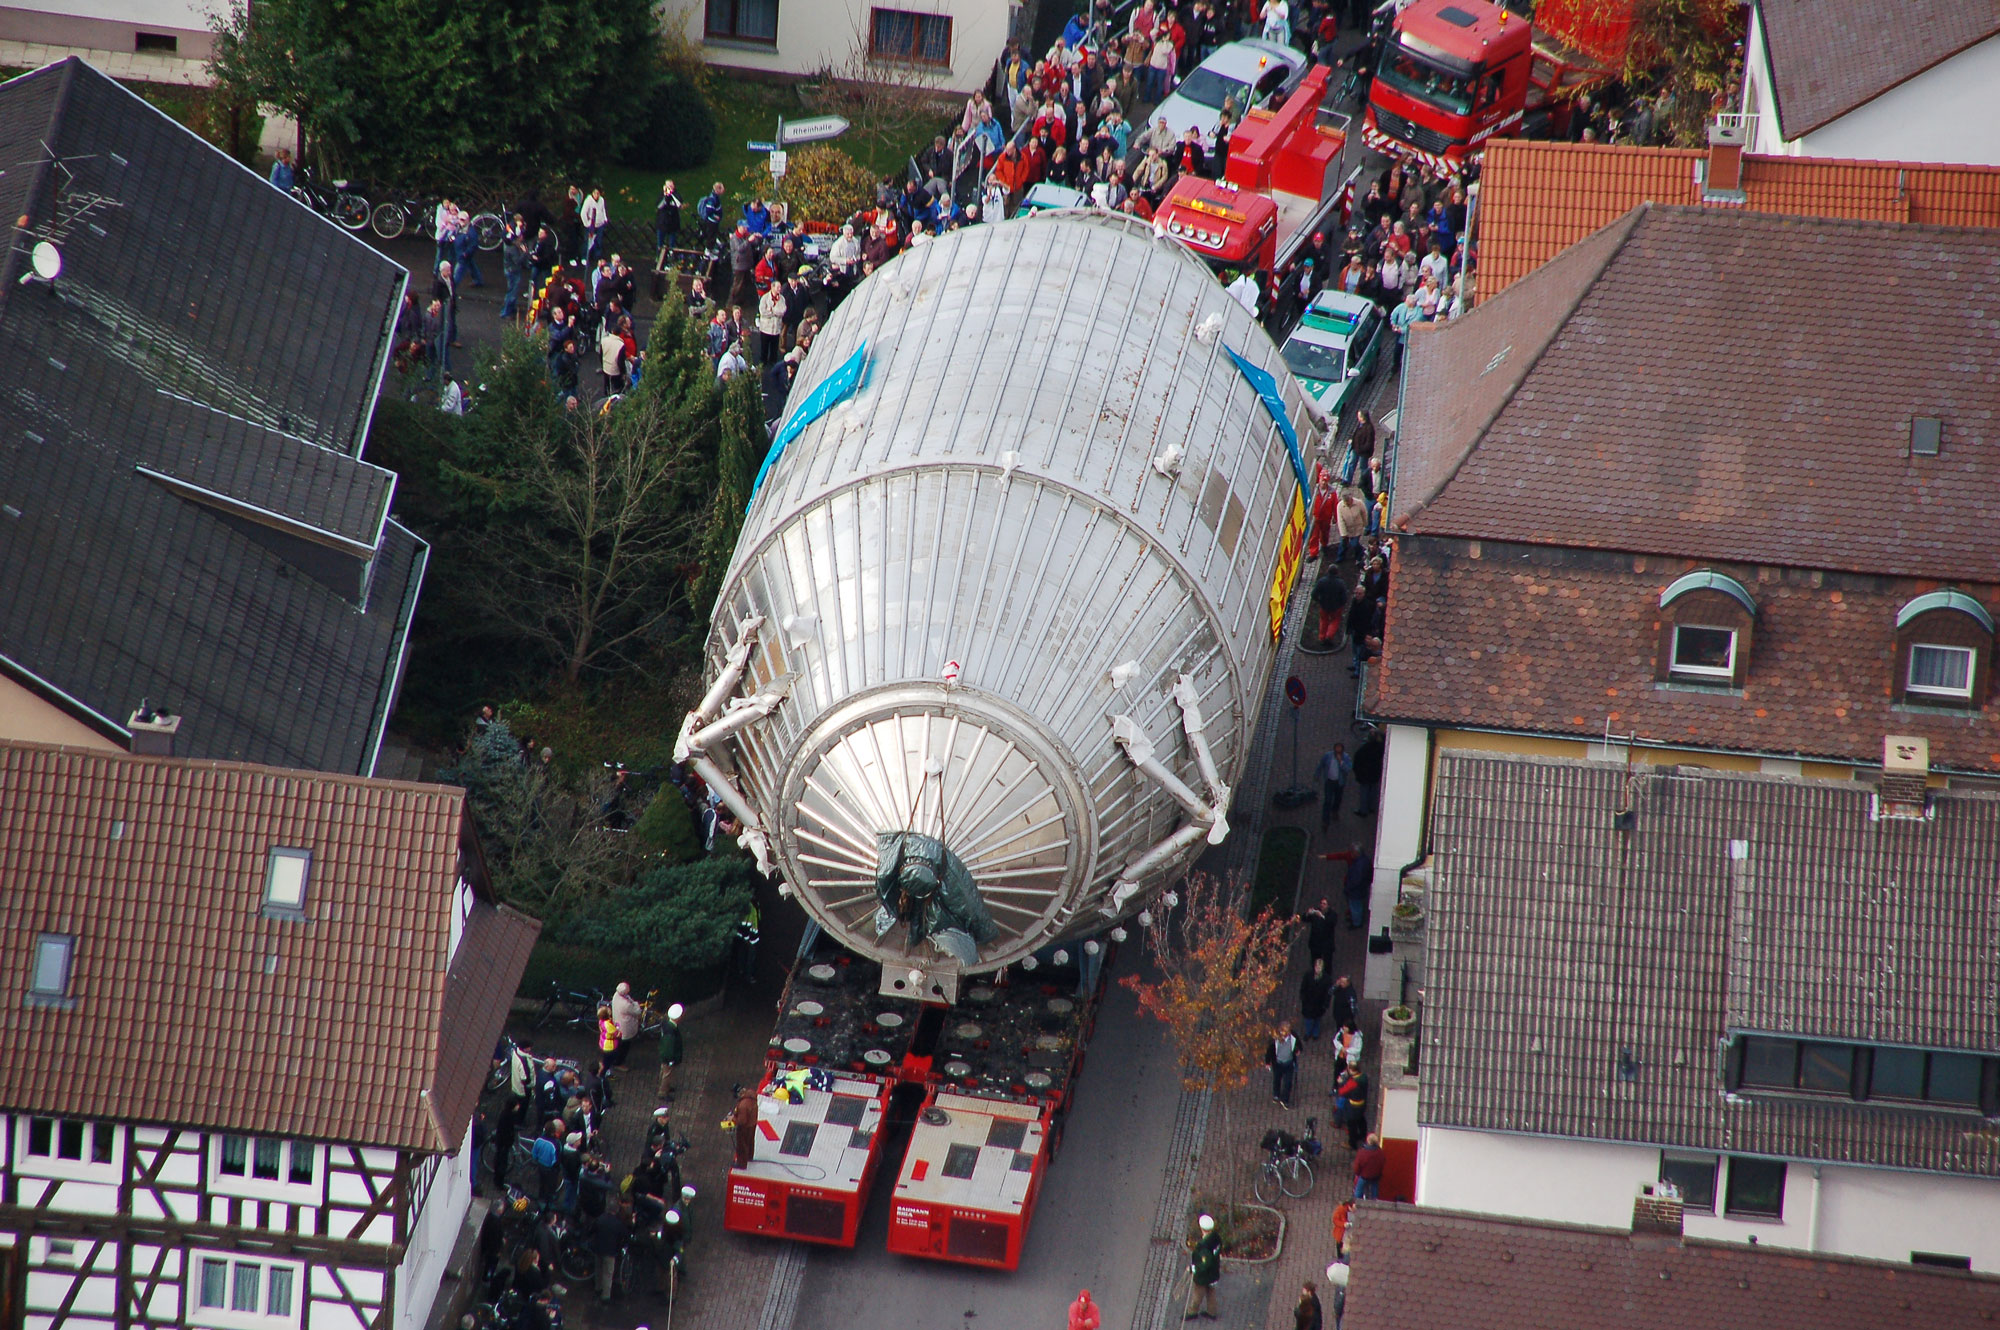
(1278, 860)
(584, 968)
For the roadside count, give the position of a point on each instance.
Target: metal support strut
(1210, 820)
(717, 719)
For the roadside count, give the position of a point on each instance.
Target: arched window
(1944, 645)
(1705, 630)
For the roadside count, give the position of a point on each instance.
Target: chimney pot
(1657, 1211)
(152, 731)
(1723, 179)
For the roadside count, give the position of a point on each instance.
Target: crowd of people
(571, 1196)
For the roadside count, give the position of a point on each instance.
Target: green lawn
(745, 110)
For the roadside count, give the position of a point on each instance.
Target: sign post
(1294, 794)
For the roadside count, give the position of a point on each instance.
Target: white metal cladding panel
(1071, 344)
(989, 497)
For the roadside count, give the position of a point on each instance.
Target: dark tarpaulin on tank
(921, 883)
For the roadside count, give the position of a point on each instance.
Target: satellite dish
(47, 260)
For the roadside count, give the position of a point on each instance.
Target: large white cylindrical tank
(1052, 502)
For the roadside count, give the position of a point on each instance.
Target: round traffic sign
(1295, 689)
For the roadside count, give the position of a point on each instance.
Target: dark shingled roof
(1490, 634)
(1828, 59)
(190, 1005)
(183, 515)
(1424, 1269)
(1736, 902)
(1622, 397)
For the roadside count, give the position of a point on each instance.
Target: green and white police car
(1335, 348)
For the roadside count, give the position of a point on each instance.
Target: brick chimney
(1722, 173)
(1906, 771)
(1657, 1210)
(152, 731)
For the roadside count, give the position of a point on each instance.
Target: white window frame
(44, 944)
(75, 1170)
(263, 1189)
(1971, 655)
(227, 1318)
(1677, 670)
(287, 855)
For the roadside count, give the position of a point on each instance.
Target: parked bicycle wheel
(1295, 1175)
(388, 220)
(489, 229)
(1270, 1183)
(350, 210)
(578, 1264)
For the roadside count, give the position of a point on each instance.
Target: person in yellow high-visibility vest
(609, 1042)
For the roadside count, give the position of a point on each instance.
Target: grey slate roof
(183, 515)
(1557, 943)
(1619, 398)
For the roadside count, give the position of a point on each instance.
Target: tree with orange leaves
(1219, 966)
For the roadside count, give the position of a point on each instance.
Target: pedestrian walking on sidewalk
(1306, 1316)
(1333, 772)
(1321, 931)
(1368, 776)
(1281, 1055)
(1354, 1091)
(1205, 1267)
(1083, 1313)
(1315, 993)
(1369, 1161)
(1345, 1007)
(671, 1049)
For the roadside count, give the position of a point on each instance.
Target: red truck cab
(1453, 74)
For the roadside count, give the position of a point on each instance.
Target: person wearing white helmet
(671, 1049)
(1205, 1266)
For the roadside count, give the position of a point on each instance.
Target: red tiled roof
(1423, 1269)
(189, 1005)
(1537, 199)
(1722, 385)
(1827, 59)
(1506, 636)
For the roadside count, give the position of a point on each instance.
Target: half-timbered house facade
(250, 1018)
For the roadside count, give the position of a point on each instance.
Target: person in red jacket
(1083, 1313)
(1369, 1161)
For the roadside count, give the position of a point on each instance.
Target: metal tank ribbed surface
(1012, 596)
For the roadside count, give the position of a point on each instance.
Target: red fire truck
(1280, 186)
(1454, 73)
(984, 1086)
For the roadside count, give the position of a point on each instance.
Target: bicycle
(391, 219)
(1287, 1167)
(489, 230)
(573, 1006)
(338, 203)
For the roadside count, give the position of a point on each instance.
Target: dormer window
(1705, 629)
(285, 876)
(1702, 652)
(1943, 641)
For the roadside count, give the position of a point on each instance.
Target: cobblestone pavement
(729, 1276)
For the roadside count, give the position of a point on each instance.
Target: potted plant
(1406, 920)
(1399, 1020)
